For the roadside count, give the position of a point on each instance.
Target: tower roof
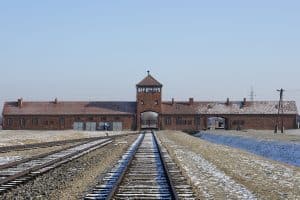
(149, 81)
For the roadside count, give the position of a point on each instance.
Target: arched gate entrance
(149, 120)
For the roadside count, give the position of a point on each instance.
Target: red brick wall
(53, 122)
(180, 122)
(129, 122)
(261, 122)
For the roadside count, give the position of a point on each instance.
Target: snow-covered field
(221, 172)
(288, 136)
(12, 137)
(283, 151)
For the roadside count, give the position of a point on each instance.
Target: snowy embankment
(221, 172)
(287, 152)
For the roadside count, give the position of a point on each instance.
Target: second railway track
(144, 172)
(16, 173)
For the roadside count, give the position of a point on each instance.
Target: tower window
(156, 102)
(142, 102)
(149, 89)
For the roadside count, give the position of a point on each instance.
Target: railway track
(144, 172)
(16, 173)
(24, 147)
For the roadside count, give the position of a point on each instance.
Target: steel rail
(56, 143)
(122, 175)
(168, 175)
(67, 157)
(17, 162)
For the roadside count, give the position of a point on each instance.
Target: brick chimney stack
(20, 102)
(55, 101)
(191, 101)
(244, 101)
(173, 101)
(227, 102)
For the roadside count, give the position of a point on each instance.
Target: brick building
(148, 111)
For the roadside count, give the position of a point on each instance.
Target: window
(35, 121)
(156, 102)
(10, 122)
(197, 120)
(179, 120)
(103, 118)
(91, 118)
(46, 122)
(149, 89)
(142, 102)
(168, 120)
(62, 121)
(22, 122)
(117, 118)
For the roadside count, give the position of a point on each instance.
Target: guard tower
(148, 100)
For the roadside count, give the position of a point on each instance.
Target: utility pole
(252, 94)
(280, 111)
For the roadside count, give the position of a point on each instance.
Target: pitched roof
(218, 108)
(70, 108)
(149, 81)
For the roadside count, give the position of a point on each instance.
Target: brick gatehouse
(148, 111)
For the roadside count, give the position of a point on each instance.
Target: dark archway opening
(216, 123)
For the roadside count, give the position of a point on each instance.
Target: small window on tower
(156, 102)
(142, 102)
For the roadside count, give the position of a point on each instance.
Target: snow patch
(287, 152)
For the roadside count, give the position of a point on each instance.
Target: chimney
(227, 102)
(173, 101)
(55, 101)
(20, 102)
(191, 101)
(244, 101)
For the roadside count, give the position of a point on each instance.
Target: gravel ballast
(220, 172)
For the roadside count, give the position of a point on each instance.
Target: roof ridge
(149, 80)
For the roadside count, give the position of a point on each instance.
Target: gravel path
(220, 172)
(72, 180)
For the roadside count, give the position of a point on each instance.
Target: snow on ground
(20, 137)
(292, 135)
(287, 152)
(212, 182)
(7, 159)
(221, 172)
